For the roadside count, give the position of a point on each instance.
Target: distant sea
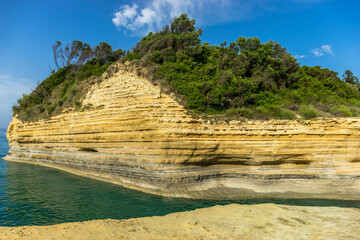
(4, 146)
(36, 195)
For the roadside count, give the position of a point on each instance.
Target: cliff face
(141, 138)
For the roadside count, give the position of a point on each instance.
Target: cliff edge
(136, 136)
(262, 221)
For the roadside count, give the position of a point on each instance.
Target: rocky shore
(263, 221)
(134, 135)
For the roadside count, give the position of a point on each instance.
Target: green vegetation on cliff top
(79, 65)
(242, 79)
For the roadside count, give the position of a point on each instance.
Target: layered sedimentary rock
(264, 221)
(141, 138)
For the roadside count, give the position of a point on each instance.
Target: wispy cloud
(324, 49)
(327, 49)
(299, 56)
(4, 77)
(157, 13)
(12, 89)
(317, 52)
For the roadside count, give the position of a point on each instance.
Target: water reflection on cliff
(35, 195)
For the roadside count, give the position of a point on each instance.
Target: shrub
(74, 91)
(77, 103)
(287, 114)
(341, 111)
(308, 112)
(50, 108)
(354, 110)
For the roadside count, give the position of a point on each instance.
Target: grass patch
(308, 112)
(342, 111)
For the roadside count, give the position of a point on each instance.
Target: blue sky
(318, 32)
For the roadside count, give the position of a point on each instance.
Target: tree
(182, 24)
(102, 51)
(349, 77)
(56, 52)
(76, 53)
(85, 54)
(117, 54)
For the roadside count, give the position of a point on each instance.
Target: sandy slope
(264, 221)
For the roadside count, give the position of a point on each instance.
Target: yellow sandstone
(136, 136)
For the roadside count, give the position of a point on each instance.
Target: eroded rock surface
(138, 137)
(263, 221)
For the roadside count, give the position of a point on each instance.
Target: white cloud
(125, 16)
(146, 17)
(324, 49)
(317, 52)
(327, 49)
(157, 13)
(299, 56)
(151, 18)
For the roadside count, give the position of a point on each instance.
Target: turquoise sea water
(36, 195)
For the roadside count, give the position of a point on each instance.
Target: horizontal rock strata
(264, 221)
(139, 137)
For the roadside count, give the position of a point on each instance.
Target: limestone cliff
(138, 137)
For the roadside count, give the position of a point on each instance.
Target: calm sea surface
(35, 195)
